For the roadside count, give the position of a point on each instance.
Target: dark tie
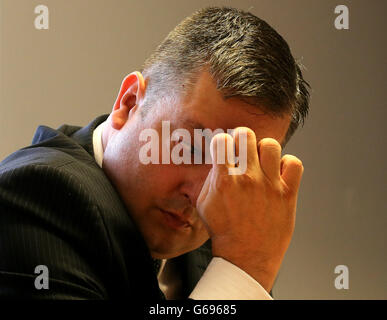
(156, 265)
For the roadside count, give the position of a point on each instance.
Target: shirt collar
(97, 145)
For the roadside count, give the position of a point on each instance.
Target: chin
(164, 253)
(167, 254)
(170, 245)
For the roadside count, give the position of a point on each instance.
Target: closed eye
(193, 149)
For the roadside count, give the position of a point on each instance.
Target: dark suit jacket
(57, 208)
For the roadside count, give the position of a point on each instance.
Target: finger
(246, 148)
(222, 152)
(270, 158)
(291, 172)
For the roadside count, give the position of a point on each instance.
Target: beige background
(72, 72)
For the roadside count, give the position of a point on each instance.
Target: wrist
(265, 278)
(262, 272)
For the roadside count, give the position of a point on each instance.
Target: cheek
(158, 178)
(146, 181)
(200, 235)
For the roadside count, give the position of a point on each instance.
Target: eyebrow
(194, 124)
(197, 125)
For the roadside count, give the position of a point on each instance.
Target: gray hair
(247, 58)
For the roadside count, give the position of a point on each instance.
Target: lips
(177, 219)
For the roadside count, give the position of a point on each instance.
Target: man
(79, 201)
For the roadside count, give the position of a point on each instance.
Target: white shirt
(222, 280)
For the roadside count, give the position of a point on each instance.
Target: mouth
(174, 220)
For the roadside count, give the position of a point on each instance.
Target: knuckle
(250, 135)
(245, 130)
(297, 163)
(269, 143)
(221, 136)
(220, 140)
(247, 181)
(294, 161)
(244, 133)
(277, 191)
(274, 188)
(222, 183)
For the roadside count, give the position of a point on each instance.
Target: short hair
(246, 57)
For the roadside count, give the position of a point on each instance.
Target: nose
(193, 181)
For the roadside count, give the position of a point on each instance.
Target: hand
(250, 217)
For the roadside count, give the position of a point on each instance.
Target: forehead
(205, 107)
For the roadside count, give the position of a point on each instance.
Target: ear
(131, 93)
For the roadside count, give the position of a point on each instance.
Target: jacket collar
(84, 136)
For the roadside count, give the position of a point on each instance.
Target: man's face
(162, 197)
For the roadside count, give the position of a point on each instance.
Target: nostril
(188, 198)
